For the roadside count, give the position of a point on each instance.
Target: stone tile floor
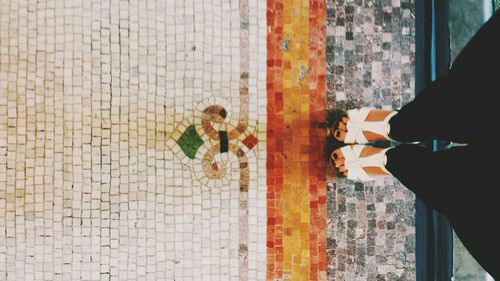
(370, 62)
(134, 139)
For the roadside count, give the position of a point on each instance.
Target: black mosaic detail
(224, 145)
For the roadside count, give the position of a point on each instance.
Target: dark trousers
(463, 106)
(462, 183)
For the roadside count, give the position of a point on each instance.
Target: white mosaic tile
(96, 182)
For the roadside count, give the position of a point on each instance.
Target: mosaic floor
(370, 62)
(296, 108)
(183, 140)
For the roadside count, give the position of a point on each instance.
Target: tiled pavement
(370, 62)
(132, 142)
(182, 140)
(296, 108)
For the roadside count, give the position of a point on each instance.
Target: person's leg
(463, 106)
(462, 184)
(433, 114)
(437, 112)
(449, 110)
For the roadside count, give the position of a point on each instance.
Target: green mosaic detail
(190, 141)
(496, 4)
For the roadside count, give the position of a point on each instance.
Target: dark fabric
(461, 183)
(462, 106)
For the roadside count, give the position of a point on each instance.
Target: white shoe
(357, 124)
(354, 164)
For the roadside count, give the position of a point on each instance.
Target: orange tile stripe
(274, 140)
(296, 211)
(296, 237)
(317, 109)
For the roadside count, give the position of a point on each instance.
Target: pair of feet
(339, 131)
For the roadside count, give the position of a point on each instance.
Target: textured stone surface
(466, 17)
(370, 62)
(465, 267)
(97, 180)
(296, 171)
